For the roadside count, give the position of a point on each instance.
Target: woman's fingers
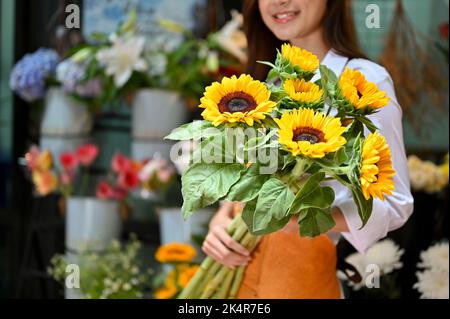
(228, 241)
(214, 247)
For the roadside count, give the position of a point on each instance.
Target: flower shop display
(179, 257)
(89, 221)
(377, 268)
(139, 185)
(113, 274)
(274, 146)
(434, 276)
(32, 75)
(65, 122)
(177, 75)
(427, 176)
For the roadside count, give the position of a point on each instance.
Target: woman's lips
(284, 17)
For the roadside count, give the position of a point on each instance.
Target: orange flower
(45, 182)
(175, 252)
(186, 275)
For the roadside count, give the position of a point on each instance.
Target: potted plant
(65, 122)
(114, 274)
(90, 221)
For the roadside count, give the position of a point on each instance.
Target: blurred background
(88, 90)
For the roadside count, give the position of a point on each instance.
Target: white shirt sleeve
(395, 210)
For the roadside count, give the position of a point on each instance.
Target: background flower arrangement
(34, 73)
(433, 279)
(377, 268)
(64, 175)
(427, 176)
(179, 257)
(124, 62)
(113, 274)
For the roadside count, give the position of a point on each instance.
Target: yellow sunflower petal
(320, 134)
(376, 168)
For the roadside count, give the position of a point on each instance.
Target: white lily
(123, 58)
(232, 39)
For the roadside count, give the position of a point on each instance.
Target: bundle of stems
(216, 281)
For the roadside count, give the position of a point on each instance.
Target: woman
(285, 265)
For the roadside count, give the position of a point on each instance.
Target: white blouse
(395, 210)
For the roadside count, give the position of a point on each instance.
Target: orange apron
(287, 266)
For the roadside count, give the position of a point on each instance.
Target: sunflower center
(237, 102)
(308, 134)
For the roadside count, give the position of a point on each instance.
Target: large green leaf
(193, 131)
(248, 186)
(205, 184)
(274, 201)
(313, 221)
(308, 186)
(248, 215)
(321, 197)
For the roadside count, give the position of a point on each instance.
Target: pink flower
(127, 179)
(166, 174)
(120, 163)
(105, 191)
(67, 178)
(32, 156)
(68, 161)
(87, 154)
(120, 194)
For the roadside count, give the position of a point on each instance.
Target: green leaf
(308, 186)
(274, 200)
(355, 129)
(321, 197)
(364, 206)
(273, 226)
(193, 131)
(205, 184)
(314, 222)
(368, 123)
(328, 81)
(248, 186)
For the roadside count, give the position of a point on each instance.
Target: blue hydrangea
(29, 75)
(71, 74)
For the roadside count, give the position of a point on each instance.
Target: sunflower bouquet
(274, 145)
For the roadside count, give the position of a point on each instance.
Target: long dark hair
(340, 35)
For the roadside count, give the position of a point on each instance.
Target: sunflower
(310, 134)
(175, 252)
(359, 92)
(168, 291)
(236, 100)
(376, 167)
(302, 91)
(186, 274)
(305, 60)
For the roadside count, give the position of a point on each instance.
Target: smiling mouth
(284, 17)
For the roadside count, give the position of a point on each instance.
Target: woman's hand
(218, 243)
